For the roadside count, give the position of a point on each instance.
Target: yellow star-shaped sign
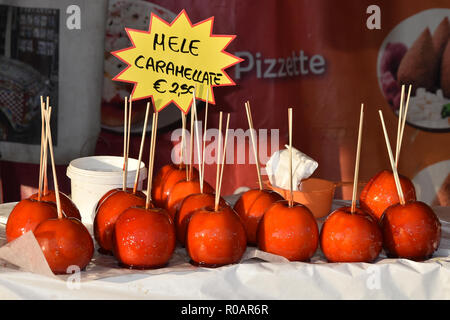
(169, 62)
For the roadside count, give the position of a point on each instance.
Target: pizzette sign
(171, 60)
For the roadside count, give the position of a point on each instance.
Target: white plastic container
(92, 177)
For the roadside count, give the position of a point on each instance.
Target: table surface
(253, 278)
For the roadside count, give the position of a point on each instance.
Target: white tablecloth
(250, 279)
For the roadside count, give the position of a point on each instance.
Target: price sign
(167, 62)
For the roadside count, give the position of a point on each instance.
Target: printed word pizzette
(269, 68)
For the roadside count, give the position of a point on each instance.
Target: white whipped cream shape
(278, 168)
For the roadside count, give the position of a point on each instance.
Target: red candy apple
(251, 207)
(144, 238)
(187, 207)
(27, 215)
(166, 178)
(65, 242)
(350, 237)
(290, 232)
(68, 207)
(410, 231)
(215, 238)
(108, 212)
(380, 192)
(181, 190)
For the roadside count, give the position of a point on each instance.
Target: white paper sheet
(259, 276)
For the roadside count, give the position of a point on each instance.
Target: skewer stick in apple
(223, 162)
(218, 150)
(402, 129)
(52, 158)
(45, 166)
(151, 159)
(128, 141)
(399, 124)
(202, 178)
(391, 159)
(42, 148)
(125, 121)
(358, 153)
(199, 151)
(291, 187)
(141, 148)
(252, 135)
(183, 139)
(191, 145)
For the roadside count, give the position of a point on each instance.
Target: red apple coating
(144, 238)
(351, 237)
(251, 207)
(112, 191)
(158, 182)
(188, 206)
(410, 231)
(166, 178)
(68, 207)
(180, 191)
(215, 238)
(290, 232)
(381, 192)
(107, 214)
(65, 242)
(27, 215)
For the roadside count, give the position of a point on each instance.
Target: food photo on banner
(191, 150)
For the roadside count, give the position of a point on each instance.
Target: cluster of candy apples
(141, 230)
(389, 216)
(52, 216)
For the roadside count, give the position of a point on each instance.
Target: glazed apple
(68, 207)
(65, 242)
(144, 238)
(108, 212)
(166, 178)
(158, 182)
(350, 237)
(180, 191)
(290, 232)
(187, 207)
(26, 215)
(410, 231)
(381, 192)
(215, 238)
(112, 191)
(251, 207)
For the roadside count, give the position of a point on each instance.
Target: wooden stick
(252, 135)
(42, 148)
(399, 124)
(186, 167)
(358, 152)
(202, 178)
(219, 148)
(141, 148)
(405, 112)
(194, 105)
(44, 169)
(291, 187)
(151, 159)
(52, 158)
(391, 159)
(218, 191)
(191, 146)
(128, 141)
(125, 121)
(183, 138)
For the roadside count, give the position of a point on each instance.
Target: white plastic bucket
(92, 177)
